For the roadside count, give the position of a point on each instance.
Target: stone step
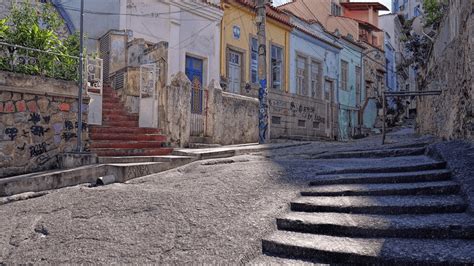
(111, 101)
(411, 167)
(452, 225)
(381, 204)
(373, 153)
(331, 249)
(128, 137)
(114, 123)
(125, 130)
(203, 146)
(120, 144)
(141, 159)
(118, 113)
(132, 152)
(377, 178)
(428, 188)
(118, 117)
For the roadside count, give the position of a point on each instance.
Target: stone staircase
(384, 215)
(120, 135)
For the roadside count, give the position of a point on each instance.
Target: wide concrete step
(426, 188)
(120, 144)
(452, 225)
(373, 153)
(128, 137)
(141, 159)
(381, 204)
(132, 152)
(377, 178)
(382, 165)
(332, 249)
(123, 130)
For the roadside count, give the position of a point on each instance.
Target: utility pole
(263, 131)
(81, 80)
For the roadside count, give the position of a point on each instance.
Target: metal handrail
(37, 50)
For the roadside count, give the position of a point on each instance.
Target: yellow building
(239, 56)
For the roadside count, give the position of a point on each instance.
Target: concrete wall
(38, 121)
(298, 117)
(450, 69)
(231, 118)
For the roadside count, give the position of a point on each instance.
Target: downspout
(338, 105)
(362, 85)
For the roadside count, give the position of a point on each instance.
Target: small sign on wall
(236, 32)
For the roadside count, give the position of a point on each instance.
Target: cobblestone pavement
(214, 211)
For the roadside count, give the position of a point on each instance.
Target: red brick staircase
(120, 135)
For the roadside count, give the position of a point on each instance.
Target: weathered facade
(450, 69)
(314, 74)
(38, 121)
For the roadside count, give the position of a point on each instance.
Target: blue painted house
(314, 73)
(351, 91)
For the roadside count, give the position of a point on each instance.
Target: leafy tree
(37, 26)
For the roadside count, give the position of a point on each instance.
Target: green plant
(36, 26)
(433, 11)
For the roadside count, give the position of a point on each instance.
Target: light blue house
(343, 74)
(314, 73)
(351, 91)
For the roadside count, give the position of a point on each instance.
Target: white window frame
(279, 65)
(301, 78)
(316, 82)
(344, 75)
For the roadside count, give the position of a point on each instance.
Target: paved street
(208, 211)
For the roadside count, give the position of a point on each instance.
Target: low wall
(237, 119)
(298, 117)
(229, 118)
(38, 120)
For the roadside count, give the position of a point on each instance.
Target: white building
(191, 28)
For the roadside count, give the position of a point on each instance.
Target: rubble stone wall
(450, 69)
(38, 121)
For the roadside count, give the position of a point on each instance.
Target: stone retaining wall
(38, 120)
(450, 69)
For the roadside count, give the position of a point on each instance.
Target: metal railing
(32, 61)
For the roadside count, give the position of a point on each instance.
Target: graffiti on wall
(263, 111)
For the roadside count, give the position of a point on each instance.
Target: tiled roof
(271, 11)
(364, 6)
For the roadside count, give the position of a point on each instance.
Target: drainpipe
(362, 88)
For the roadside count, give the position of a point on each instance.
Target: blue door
(193, 70)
